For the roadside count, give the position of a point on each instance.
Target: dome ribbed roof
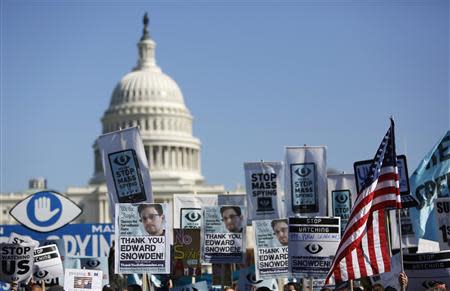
(146, 86)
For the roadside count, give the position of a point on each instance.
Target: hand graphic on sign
(43, 210)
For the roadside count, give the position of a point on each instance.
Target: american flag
(363, 249)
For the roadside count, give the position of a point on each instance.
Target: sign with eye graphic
(313, 242)
(47, 262)
(188, 210)
(96, 263)
(306, 181)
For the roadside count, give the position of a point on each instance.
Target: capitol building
(151, 100)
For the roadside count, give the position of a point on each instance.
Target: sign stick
(144, 282)
(399, 226)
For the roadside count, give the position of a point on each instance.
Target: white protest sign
(442, 206)
(223, 234)
(96, 263)
(200, 286)
(188, 209)
(423, 269)
(142, 238)
(248, 282)
(342, 194)
(264, 190)
(16, 262)
(306, 181)
(409, 239)
(271, 252)
(427, 246)
(313, 242)
(82, 280)
(47, 262)
(125, 167)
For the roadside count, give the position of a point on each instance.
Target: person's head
(232, 217)
(228, 289)
(291, 286)
(36, 287)
(439, 286)
(264, 288)
(107, 288)
(280, 229)
(152, 217)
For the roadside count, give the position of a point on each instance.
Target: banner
(223, 234)
(47, 263)
(78, 239)
(442, 206)
(16, 262)
(306, 181)
(429, 181)
(142, 239)
(200, 286)
(313, 242)
(271, 248)
(125, 167)
(186, 253)
(188, 209)
(264, 190)
(409, 239)
(424, 269)
(342, 194)
(81, 280)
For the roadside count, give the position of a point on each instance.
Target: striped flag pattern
(363, 249)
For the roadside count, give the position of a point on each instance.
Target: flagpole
(399, 226)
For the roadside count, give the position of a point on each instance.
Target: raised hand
(43, 210)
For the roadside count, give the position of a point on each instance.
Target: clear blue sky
(257, 76)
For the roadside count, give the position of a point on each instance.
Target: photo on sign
(82, 282)
(127, 176)
(304, 187)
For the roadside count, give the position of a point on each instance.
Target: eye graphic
(303, 172)
(45, 211)
(93, 263)
(193, 216)
(40, 274)
(313, 248)
(341, 198)
(122, 160)
(252, 279)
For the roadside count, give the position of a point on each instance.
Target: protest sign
(142, 238)
(200, 286)
(188, 209)
(223, 234)
(409, 239)
(47, 262)
(313, 242)
(423, 269)
(125, 167)
(96, 263)
(16, 262)
(362, 169)
(75, 239)
(271, 241)
(306, 181)
(264, 190)
(429, 181)
(342, 194)
(186, 253)
(81, 280)
(442, 206)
